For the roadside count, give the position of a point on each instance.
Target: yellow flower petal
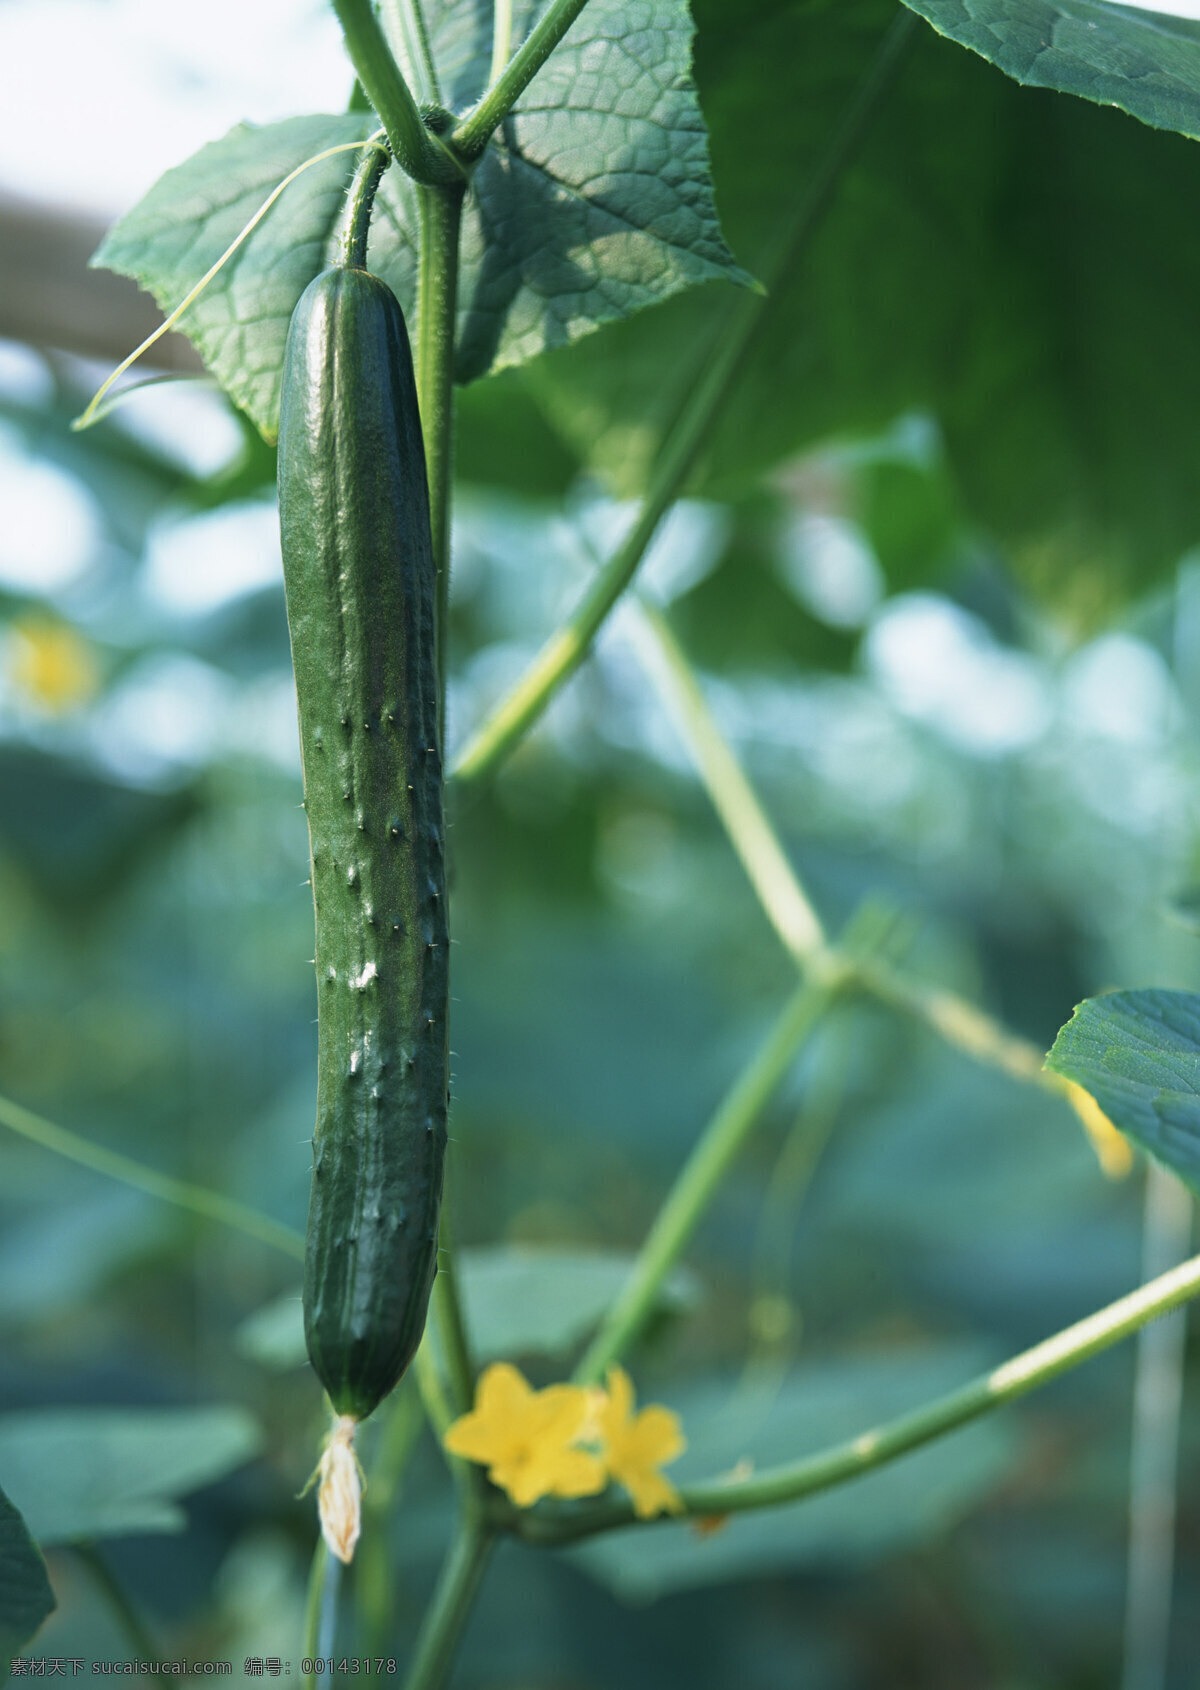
(1113, 1150)
(525, 1437)
(637, 1445)
(652, 1493)
(656, 1434)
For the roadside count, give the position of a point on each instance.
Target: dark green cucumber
(361, 596)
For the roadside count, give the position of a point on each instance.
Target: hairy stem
(717, 369)
(446, 1615)
(472, 134)
(437, 294)
(452, 1329)
(502, 23)
(360, 202)
(416, 150)
(700, 1178)
(877, 1446)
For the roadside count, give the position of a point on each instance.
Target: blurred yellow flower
(1113, 1150)
(636, 1445)
(525, 1437)
(51, 663)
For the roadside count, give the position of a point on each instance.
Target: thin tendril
(91, 415)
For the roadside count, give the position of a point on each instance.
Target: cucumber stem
(360, 202)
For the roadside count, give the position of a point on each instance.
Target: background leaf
(1138, 1053)
(115, 1472)
(1147, 64)
(1027, 289)
(25, 1594)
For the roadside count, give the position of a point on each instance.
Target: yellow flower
(636, 1445)
(525, 1437)
(1111, 1146)
(51, 663)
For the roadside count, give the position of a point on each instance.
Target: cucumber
(361, 595)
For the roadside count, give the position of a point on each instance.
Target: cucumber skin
(361, 594)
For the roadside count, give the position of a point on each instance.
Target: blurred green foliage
(918, 516)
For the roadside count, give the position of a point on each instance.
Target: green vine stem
(351, 246)
(437, 297)
(211, 1205)
(313, 1602)
(567, 647)
(502, 25)
(417, 152)
(433, 1392)
(782, 896)
(126, 1615)
(447, 1613)
(755, 841)
(1154, 1443)
(400, 1423)
(701, 1177)
(717, 370)
(404, 25)
(452, 1327)
(877, 1446)
(788, 1184)
(473, 133)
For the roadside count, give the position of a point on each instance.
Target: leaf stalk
(475, 130)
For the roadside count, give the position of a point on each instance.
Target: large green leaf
(1138, 1053)
(1147, 64)
(1009, 263)
(112, 1472)
(593, 201)
(25, 1594)
(821, 1403)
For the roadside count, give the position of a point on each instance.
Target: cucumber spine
(361, 593)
